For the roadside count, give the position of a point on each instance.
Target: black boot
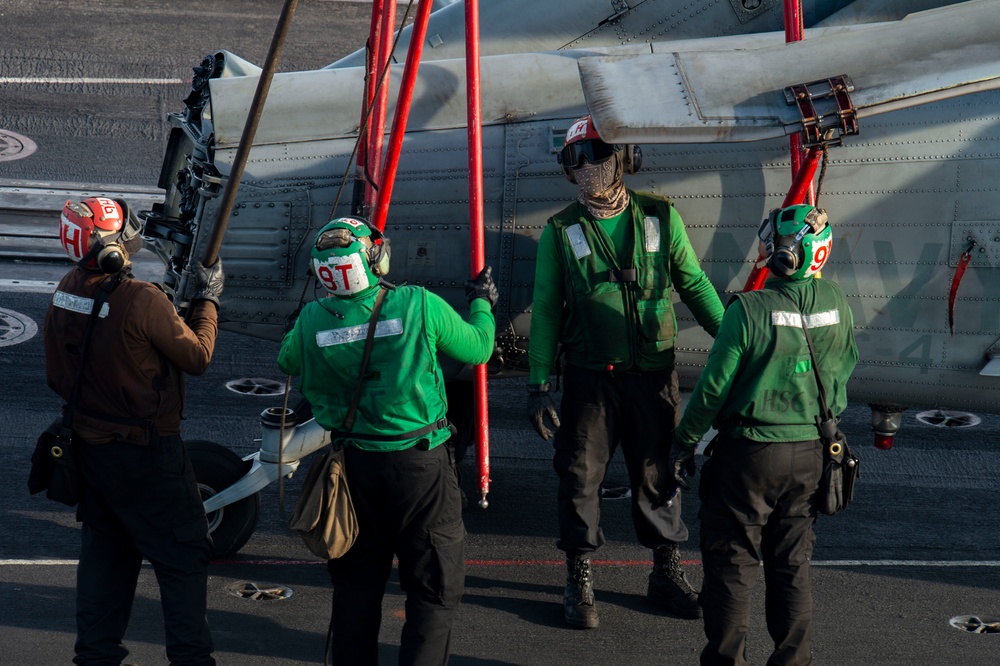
(579, 608)
(668, 587)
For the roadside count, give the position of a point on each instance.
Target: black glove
(291, 318)
(540, 405)
(482, 287)
(209, 281)
(682, 463)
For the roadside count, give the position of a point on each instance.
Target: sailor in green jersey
(399, 464)
(758, 488)
(605, 268)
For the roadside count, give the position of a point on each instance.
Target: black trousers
(599, 411)
(141, 502)
(408, 505)
(758, 504)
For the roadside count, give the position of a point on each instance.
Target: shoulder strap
(825, 416)
(99, 299)
(372, 323)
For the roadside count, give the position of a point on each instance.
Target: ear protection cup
(378, 254)
(631, 158)
(111, 258)
(784, 260)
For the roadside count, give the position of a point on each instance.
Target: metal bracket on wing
(828, 115)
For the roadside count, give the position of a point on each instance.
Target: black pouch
(841, 469)
(53, 468)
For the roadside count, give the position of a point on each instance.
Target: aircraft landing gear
(217, 468)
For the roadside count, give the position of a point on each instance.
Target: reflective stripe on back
(339, 336)
(817, 320)
(80, 304)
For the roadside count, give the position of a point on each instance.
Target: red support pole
(372, 68)
(405, 99)
(476, 234)
(804, 189)
(376, 125)
(794, 32)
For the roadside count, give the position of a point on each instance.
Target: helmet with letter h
(100, 234)
(349, 256)
(796, 241)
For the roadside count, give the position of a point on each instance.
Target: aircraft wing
(675, 95)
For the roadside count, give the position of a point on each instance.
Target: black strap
(99, 300)
(372, 323)
(825, 415)
(437, 425)
(625, 275)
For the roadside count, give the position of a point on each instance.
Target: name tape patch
(79, 304)
(340, 336)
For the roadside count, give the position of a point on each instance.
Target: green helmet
(797, 240)
(349, 256)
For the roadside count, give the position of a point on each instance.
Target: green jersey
(603, 288)
(403, 390)
(758, 382)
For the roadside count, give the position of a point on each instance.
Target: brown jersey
(138, 351)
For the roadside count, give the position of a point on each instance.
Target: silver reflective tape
(339, 336)
(817, 320)
(80, 304)
(579, 242)
(652, 233)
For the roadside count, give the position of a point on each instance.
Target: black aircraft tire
(216, 468)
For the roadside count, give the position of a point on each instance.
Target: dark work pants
(758, 504)
(141, 502)
(599, 411)
(408, 505)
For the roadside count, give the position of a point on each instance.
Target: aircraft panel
(520, 26)
(740, 95)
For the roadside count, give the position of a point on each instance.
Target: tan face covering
(601, 188)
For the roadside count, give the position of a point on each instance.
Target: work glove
(540, 405)
(291, 318)
(482, 287)
(682, 463)
(209, 281)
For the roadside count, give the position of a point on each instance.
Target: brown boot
(579, 608)
(668, 587)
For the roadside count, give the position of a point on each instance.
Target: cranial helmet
(582, 143)
(349, 255)
(100, 233)
(797, 240)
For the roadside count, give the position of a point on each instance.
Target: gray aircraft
(896, 99)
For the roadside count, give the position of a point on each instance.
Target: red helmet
(94, 232)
